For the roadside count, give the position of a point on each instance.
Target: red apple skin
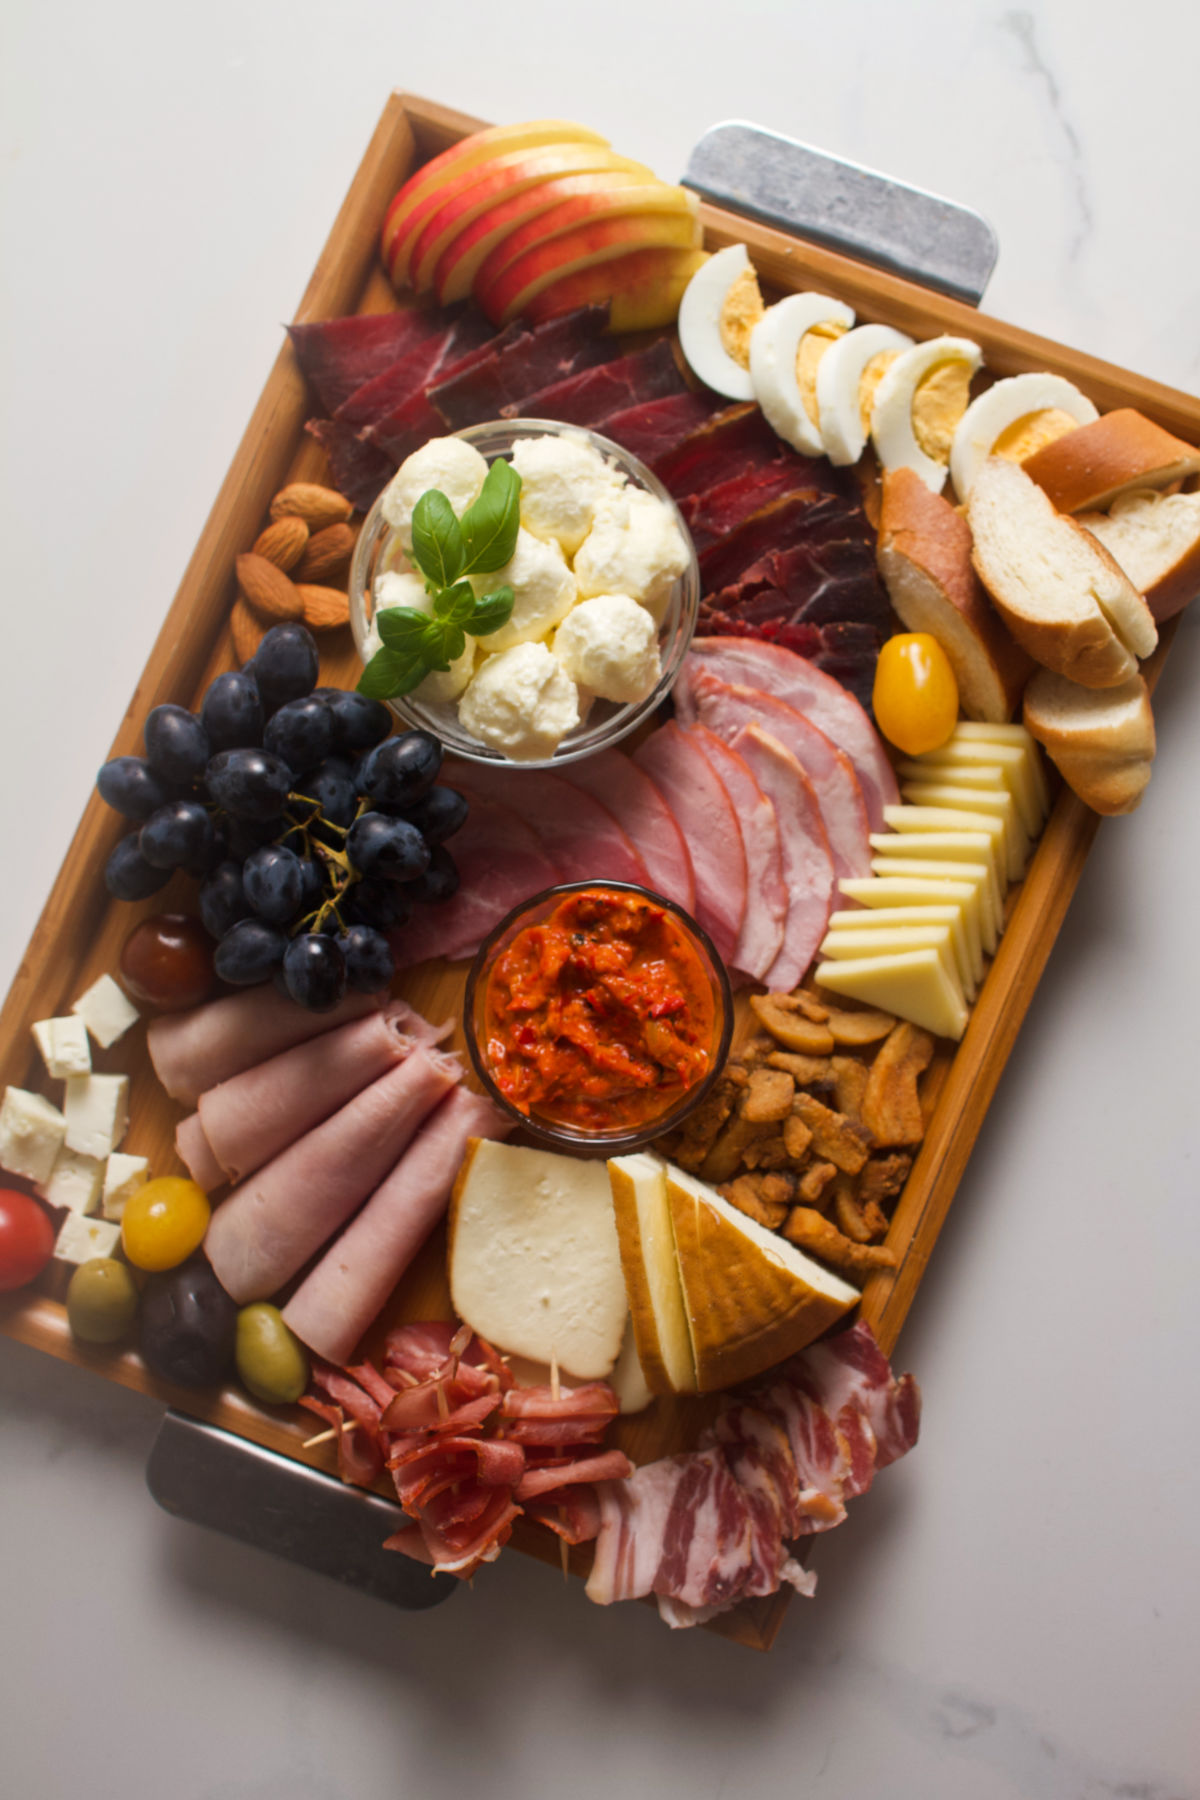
(464, 255)
(580, 211)
(511, 292)
(643, 289)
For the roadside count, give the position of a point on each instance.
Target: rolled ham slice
(270, 1225)
(253, 1116)
(192, 1051)
(345, 1292)
(196, 1154)
(761, 937)
(807, 862)
(705, 815)
(618, 783)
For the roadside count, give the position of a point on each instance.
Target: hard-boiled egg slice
(918, 405)
(1013, 419)
(786, 350)
(848, 376)
(721, 305)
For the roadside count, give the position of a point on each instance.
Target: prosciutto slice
(761, 937)
(575, 830)
(501, 863)
(253, 1116)
(726, 710)
(338, 355)
(652, 428)
(347, 1289)
(593, 395)
(804, 847)
(273, 1223)
(193, 1051)
(705, 815)
(496, 385)
(630, 795)
(751, 663)
(358, 468)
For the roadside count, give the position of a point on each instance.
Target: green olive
(102, 1301)
(270, 1358)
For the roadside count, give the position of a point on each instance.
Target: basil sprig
(447, 550)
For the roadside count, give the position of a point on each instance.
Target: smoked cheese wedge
(660, 1327)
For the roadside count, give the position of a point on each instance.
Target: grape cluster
(311, 830)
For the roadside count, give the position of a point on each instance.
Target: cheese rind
(643, 1219)
(96, 1110)
(64, 1047)
(31, 1134)
(911, 983)
(80, 1239)
(123, 1176)
(74, 1182)
(105, 1011)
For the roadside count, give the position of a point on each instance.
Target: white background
(1012, 1610)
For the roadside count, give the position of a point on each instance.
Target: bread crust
(1086, 469)
(1179, 581)
(1103, 758)
(924, 556)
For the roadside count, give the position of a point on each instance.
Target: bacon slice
(575, 830)
(273, 1223)
(192, 1051)
(501, 863)
(610, 1465)
(629, 794)
(761, 937)
(706, 817)
(804, 846)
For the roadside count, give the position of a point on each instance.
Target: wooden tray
(80, 932)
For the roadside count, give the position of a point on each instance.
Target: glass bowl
(607, 721)
(677, 1103)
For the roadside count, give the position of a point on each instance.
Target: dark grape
(130, 786)
(401, 770)
(301, 732)
(127, 874)
(367, 954)
(439, 815)
(176, 743)
(383, 904)
(440, 880)
(285, 665)
(232, 711)
(312, 885)
(379, 845)
(178, 833)
(358, 723)
(273, 883)
(331, 788)
(248, 952)
(245, 835)
(222, 899)
(314, 971)
(251, 784)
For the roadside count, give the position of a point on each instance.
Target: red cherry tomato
(26, 1239)
(167, 962)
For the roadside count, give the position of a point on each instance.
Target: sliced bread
(1059, 591)
(1156, 539)
(1102, 743)
(1086, 470)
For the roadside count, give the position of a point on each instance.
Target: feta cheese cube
(80, 1239)
(123, 1176)
(105, 1011)
(75, 1182)
(31, 1134)
(96, 1110)
(64, 1046)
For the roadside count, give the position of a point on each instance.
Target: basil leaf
(489, 527)
(400, 627)
(412, 677)
(438, 549)
(491, 612)
(388, 674)
(433, 645)
(456, 643)
(457, 602)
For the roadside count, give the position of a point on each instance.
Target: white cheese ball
(563, 479)
(609, 644)
(543, 587)
(635, 548)
(397, 589)
(522, 702)
(447, 463)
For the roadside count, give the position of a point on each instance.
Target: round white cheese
(562, 481)
(455, 468)
(609, 644)
(521, 702)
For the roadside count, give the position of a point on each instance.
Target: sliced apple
(457, 203)
(582, 210)
(643, 289)
(511, 294)
(496, 140)
(465, 254)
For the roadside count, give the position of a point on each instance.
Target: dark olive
(188, 1325)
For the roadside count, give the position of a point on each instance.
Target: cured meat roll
(196, 1154)
(193, 1051)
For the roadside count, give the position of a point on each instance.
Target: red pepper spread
(603, 1016)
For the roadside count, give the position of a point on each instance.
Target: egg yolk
(809, 352)
(868, 383)
(742, 309)
(939, 402)
(916, 695)
(1033, 432)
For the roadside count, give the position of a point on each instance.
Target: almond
(248, 634)
(325, 608)
(317, 506)
(327, 558)
(283, 542)
(267, 589)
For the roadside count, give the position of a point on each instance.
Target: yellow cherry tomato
(163, 1222)
(916, 695)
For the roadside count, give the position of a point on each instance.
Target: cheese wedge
(999, 805)
(973, 764)
(912, 983)
(883, 920)
(898, 893)
(1013, 737)
(533, 1260)
(910, 819)
(854, 946)
(957, 874)
(955, 851)
(647, 1244)
(628, 1378)
(751, 1298)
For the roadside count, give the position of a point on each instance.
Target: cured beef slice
(593, 396)
(496, 385)
(339, 355)
(804, 517)
(455, 345)
(414, 420)
(712, 515)
(651, 429)
(358, 468)
(734, 440)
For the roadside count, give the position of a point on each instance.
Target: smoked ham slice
(749, 662)
(253, 1116)
(761, 937)
(193, 1051)
(270, 1225)
(807, 861)
(500, 863)
(705, 815)
(347, 1289)
(576, 830)
(196, 1154)
(628, 792)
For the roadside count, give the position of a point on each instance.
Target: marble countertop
(1011, 1612)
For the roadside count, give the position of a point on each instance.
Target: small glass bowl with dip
(606, 722)
(597, 1016)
